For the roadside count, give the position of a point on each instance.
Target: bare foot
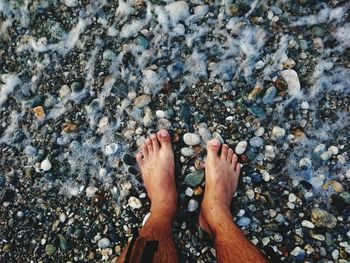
(221, 178)
(156, 161)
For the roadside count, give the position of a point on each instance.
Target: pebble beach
(84, 83)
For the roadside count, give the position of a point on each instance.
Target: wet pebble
(103, 243)
(241, 147)
(192, 205)
(243, 221)
(191, 139)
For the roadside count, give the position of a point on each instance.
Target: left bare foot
(156, 161)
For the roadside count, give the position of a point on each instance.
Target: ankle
(163, 213)
(215, 217)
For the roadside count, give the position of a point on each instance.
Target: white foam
(10, 83)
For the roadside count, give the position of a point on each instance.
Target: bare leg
(221, 175)
(156, 162)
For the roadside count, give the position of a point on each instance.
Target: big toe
(213, 148)
(164, 138)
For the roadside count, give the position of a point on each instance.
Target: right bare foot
(221, 178)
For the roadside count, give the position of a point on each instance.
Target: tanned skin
(156, 161)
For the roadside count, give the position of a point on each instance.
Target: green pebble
(7, 248)
(50, 249)
(194, 179)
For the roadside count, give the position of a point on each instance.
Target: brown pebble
(70, 127)
(198, 190)
(243, 158)
(280, 84)
(39, 112)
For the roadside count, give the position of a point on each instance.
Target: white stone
(241, 147)
(317, 181)
(292, 198)
(64, 91)
(277, 133)
(319, 149)
(62, 217)
(46, 165)
(102, 172)
(256, 141)
(266, 176)
(189, 191)
(177, 11)
(160, 114)
(333, 149)
(134, 203)
(307, 224)
(335, 254)
(111, 148)
(250, 193)
(292, 79)
(90, 191)
(71, 3)
(304, 105)
(148, 118)
(191, 139)
(296, 251)
(103, 243)
(259, 132)
(192, 205)
(326, 155)
(260, 64)
(305, 163)
(187, 151)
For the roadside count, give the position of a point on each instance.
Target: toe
(144, 150)
(229, 155)
(234, 160)
(213, 148)
(164, 138)
(224, 151)
(149, 145)
(238, 168)
(139, 159)
(155, 142)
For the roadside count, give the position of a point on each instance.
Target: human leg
(156, 161)
(221, 175)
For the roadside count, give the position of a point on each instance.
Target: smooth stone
(195, 178)
(338, 187)
(241, 147)
(307, 224)
(289, 63)
(90, 191)
(292, 79)
(65, 91)
(189, 191)
(129, 159)
(259, 132)
(142, 101)
(322, 218)
(292, 198)
(277, 133)
(187, 151)
(148, 118)
(192, 205)
(333, 149)
(103, 243)
(45, 165)
(191, 139)
(269, 95)
(63, 243)
(50, 249)
(256, 141)
(326, 155)
(266, 176)
(243, 221)
(160, 114)
(134, 203)
(111, 148)
(319, 149)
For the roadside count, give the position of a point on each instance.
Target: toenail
(163, 133)
(215, 143)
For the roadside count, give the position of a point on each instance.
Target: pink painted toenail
(163, 133)
(215, 143)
